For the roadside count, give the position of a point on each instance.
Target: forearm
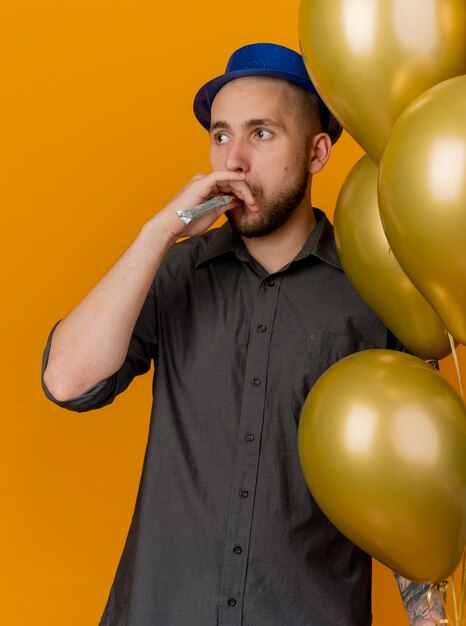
(91, 343)
(415, 600)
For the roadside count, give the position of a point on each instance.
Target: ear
(321, 145)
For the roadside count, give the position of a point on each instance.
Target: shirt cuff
(96, 397)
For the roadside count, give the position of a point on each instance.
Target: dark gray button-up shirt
(225, 531)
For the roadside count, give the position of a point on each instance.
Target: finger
(240, 189)
(223, 179)
(197, 177)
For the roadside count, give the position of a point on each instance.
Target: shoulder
(183, 257)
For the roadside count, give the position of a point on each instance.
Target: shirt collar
(320, 244)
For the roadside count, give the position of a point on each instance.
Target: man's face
(256, 128)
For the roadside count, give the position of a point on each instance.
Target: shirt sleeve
(142, 350)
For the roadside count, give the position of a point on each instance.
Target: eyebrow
(219, 124)
(261, 121)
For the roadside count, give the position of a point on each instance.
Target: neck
(276, 250)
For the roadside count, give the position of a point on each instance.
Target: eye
(221, 138)
(261, 133)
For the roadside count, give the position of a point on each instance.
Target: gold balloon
(370, 59)
(422, 198)
(374, 271)
(382, 441)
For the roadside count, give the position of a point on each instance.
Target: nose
(236, 158)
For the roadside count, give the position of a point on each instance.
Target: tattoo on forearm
(414, 598)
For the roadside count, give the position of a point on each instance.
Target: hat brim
(205, 96)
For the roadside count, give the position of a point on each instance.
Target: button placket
(247, 457)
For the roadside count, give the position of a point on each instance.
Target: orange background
(97, 134)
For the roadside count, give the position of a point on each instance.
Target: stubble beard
(274, 213)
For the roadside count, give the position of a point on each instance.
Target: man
(241, 321)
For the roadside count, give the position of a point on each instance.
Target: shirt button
(270, 282)
(243, 493)
(237, 549)
(261, 328)
(249, 436)
(256, 382)
(231, 602)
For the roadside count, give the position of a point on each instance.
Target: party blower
(205, 207)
